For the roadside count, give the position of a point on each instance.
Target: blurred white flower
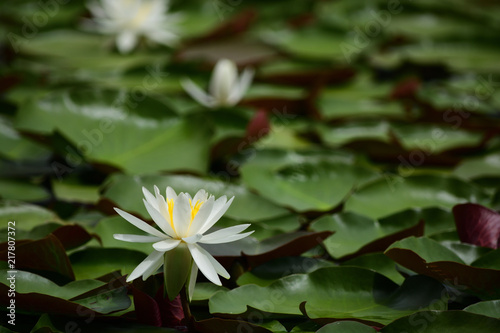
(183, 222)
(225, 89)
(129, 20)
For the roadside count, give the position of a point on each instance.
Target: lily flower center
(142, 14)
(194, 210)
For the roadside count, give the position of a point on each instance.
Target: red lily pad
(477, 225)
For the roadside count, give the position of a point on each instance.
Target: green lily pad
(377, 262)
(15, 147)
(303, 181)
(486, 308)
(485, 166)
(27, 282)
(85, 51)
(346, 327)
(273, 270)
(332, 292)
(426, 256)
(434, 139)
(443, 321)
(354, 131)
(73, 192)
(307, 43)
(92, 263)
(99, 124)
(16, 190)
(26, 216)
(410, 192)
(356, 234)
(36, 294)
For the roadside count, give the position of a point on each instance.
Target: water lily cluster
(183, 222)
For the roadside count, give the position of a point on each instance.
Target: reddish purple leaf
(258, 126)
(46, 257)
(171, 312)
(72, 236)
(157, 311)
(477, 225)
(147, 309)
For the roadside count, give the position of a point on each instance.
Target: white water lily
(130, 20)
(225, 88)
(183, 222)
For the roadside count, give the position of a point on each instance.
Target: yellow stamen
(170, 203)
(195, 208)
(194, 211)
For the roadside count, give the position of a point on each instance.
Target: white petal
(223, 80)
(151, 261)
(139, 223)
(150, 198)
(226, 239)
(243, 84)
(182, 215)
(202, 216)
(162, 205)
(171, 193)
(218, 267)
(166, 245)
(201, 195)
(214, 217)
(192, 239)
(197, 93)
(201, 258)
(136, 238)
(126, 41)
(226, 232)
(152, 268)
(159, 219)
(192, 280)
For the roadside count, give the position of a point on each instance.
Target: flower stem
(188, 317)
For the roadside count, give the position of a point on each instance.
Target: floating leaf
(303, 181)
(92, 263)
(275, 269)
(332, 292)
(426, 256)
(356, 234)
(410, 192)
(98, 123)
(379, 263)
(486, 308)
(443, 321)
(477, 225)
(257, 253)
(45, 256)
(346, 327)
(82, 298)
